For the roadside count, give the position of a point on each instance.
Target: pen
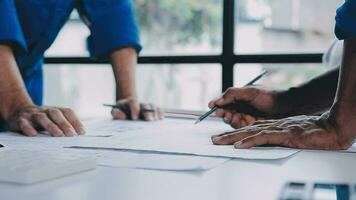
(201, 118)
(124, 108)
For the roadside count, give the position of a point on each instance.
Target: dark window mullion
(228, 44)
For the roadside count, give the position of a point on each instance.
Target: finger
(264, 122)
(152, 115)
(156, 113)
(220, 113)
(233, 94)
(227, 98)
(134, 109)
(44, 122)
(147, 116)
(118, 114)
(212, 103)
(231, 138)
(235, 121)
(27, 128)
(160, 113)
(58, 118)
(228, 117)
(73, 120)
(263, 138)
(250, 119)
(243, 122)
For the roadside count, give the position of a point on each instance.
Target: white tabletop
(237, 179)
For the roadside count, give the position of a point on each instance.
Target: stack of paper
(178, 137)
(171, 144)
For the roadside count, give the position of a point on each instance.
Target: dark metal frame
(227, 59)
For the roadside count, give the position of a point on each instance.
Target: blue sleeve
(10, 28)
(345, 26)
(112, 24)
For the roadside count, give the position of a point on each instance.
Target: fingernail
(81, 130)
(215, 139)
(70, 132)
(238, 144)
(220, 101)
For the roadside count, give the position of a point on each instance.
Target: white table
(237, 179)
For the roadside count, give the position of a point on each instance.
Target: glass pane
(272, 26)
(281, 76)
(86, 87)
(71, 40)
(180, 26)
(168, 27)
(179, 86)
(83, 88)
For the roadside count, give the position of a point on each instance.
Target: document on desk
(175, 136)
(171, 144)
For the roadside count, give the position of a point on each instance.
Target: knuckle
(39, 115)
(52, 127)
(53, 111)
(64, 125)
(229, 91)
(23, 115)
(67, 110)
(22, 120)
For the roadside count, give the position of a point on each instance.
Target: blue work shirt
(31, 26)
(345, 26)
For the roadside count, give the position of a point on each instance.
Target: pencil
(201, 118)
(120, 107)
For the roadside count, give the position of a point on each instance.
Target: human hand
(241, 107)
(131, 109)
(304, 132)
(56, 121)
(235, 119)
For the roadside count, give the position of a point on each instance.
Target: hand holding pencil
(131, 109)
(214, 105)
(257, 103)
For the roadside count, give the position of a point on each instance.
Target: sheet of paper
(126, 159)
(171, 144)
(155, 161)
(133, 159)
(177, 136)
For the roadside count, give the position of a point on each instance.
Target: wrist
(282, 100)
(343, 117)
(13, 102)
(120, 94)
(296, 101)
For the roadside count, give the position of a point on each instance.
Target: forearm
(12, 89)
(343, 111)
(123, 62)
(312, 97)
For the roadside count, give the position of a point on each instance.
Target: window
(86, 87)
(279, 26)
(81, 87)
(180, 27)
(195, 49)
